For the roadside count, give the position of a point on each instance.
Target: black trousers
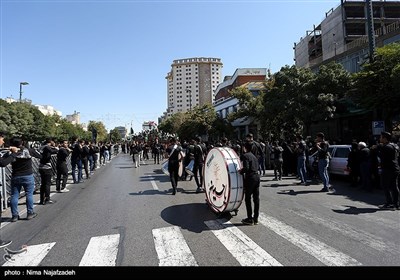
(62, 175)
(173, 169)
(252, 190)
(389, 185)
(45, 184)
(198, 172)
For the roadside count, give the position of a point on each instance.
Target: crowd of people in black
(371, 166)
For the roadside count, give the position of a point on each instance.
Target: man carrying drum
(174, 151)
(251, 184)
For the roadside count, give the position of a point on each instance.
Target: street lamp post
(20, 89)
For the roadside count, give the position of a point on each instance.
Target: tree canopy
(377, 85)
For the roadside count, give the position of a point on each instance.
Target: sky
(108, 60)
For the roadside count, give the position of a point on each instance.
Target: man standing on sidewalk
(8, 157)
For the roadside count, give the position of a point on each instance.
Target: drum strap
(180, 153)
(202, 153)
(173, 149)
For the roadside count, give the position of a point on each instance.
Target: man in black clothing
(251, 184)
(45, 170)
(200, 150)
(388, 153)
(76, 161)
(5, 159)
(157, 151)
(61, 166)
(174, 151)
(257, 150)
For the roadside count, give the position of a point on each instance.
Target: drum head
(164, 167)
(189, 168)
(222, 181)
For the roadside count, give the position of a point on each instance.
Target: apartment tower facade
(192, 82)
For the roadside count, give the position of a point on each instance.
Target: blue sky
(108, 59)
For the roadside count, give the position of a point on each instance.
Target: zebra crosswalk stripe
(246, 251)
(101, 251)
(171, 247)
(31, 257)
(323, 252)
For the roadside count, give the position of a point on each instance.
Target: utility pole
(371, 31)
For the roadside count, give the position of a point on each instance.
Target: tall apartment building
(192, 82)
(343, 34)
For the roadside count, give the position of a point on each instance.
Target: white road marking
(246, 251)
(171, 247)
(32, 257)
(101, 251)
(323, 252)
(364, 237)
(153, 183)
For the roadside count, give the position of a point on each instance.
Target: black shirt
(250, 164)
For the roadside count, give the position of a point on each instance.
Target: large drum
(164, 167)
(222, 181)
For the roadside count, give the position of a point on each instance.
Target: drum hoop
(237, 178)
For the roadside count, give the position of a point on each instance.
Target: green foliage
(196, 122)
(377, 86)
(172, 124)
(102, 134)
(249, 105)
(26, 120)
(115, 135)
(298, 97)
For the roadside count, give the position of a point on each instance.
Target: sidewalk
(6, 214)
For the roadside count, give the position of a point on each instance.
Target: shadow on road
(191, 216)
(351, 210)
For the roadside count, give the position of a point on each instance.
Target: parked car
(338, 161)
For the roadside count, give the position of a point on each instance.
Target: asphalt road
(127, 216)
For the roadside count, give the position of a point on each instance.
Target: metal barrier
(5, 178)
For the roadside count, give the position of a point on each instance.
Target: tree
(102, 134)
(171, 124)
(115, 135)
(376, 86)
(197, 122)
(286, 101)
(328, 85)
(41, 128)
(250, 105)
